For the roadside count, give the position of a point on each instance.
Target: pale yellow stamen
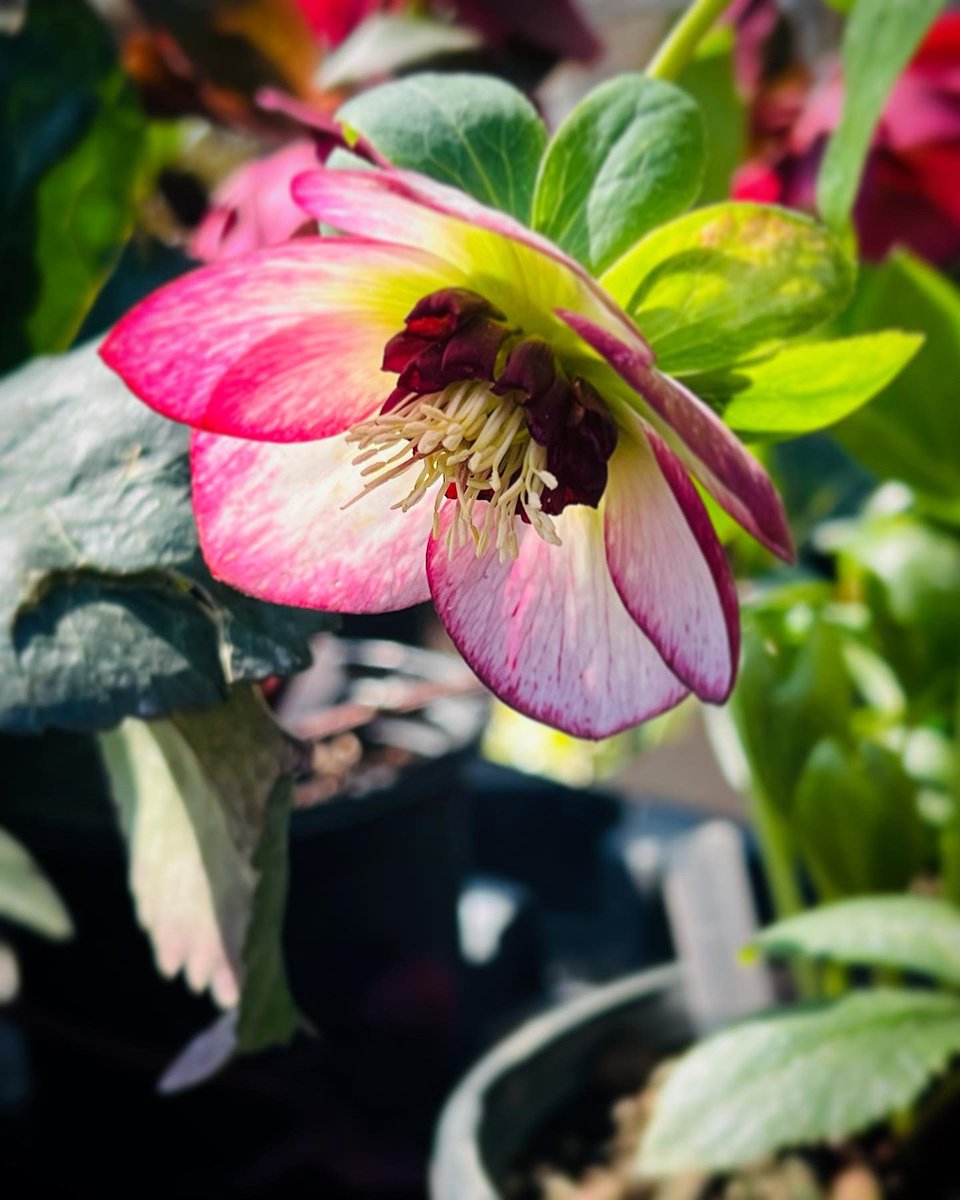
(475, 440)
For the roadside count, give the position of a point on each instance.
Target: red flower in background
(909, 194)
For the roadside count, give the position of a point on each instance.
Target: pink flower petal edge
(668, 566)
(272, 523)
(548, 634)
(176, 346)
(700, 439)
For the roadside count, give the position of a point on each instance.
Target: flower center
(481, 413)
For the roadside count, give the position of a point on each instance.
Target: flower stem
(779, 862)
(684, 38)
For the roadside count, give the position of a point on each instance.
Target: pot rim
(456, 1169)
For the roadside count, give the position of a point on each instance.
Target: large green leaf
(879, 40)
(202, 801)
(26, 895)
(628, 157)
(855, 819)
(76, 146)
(912, 430)
(808, 386)
(799, 1078)
(730, 281)
(472, 131)
(106, 607)
(905, 933)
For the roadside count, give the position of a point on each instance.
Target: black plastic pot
(546, 1092)
(371, 944)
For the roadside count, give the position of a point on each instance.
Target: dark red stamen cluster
(455, 335)
(566, 416)
(450, 336)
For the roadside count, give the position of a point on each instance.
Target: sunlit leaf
(907, 933)
(729, 281)
(809, 386)
(798, 1078)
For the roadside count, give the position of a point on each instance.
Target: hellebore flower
(909, 194)
(442, 403)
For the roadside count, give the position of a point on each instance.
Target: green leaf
(268, 1015)
(76, 147)
(808, 386)
(793, 690)
(26, 895)
(106, 607)
(628, 157)
(911, 431)
(879, 40)
(730, 281)
(855, 817)
(906, 933)
(203, 812)
(799, 1078)
(911, 576)
(472, 131)
(710, 79)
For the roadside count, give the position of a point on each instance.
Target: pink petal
(254, 207)
(549, 634)
(668, 566)
(403, 206)
(174, 348)
(272, 523)
(697, 435)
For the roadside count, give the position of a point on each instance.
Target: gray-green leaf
(907, 933)
(629, 157)
(106, 607)
(879, 40)
(799, 1077)
(472, 131)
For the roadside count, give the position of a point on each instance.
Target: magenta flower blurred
(254, 206)
(523, 462)
(553, 26)
(909, 195)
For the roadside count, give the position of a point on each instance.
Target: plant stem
(778, 859)
(684, 38)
